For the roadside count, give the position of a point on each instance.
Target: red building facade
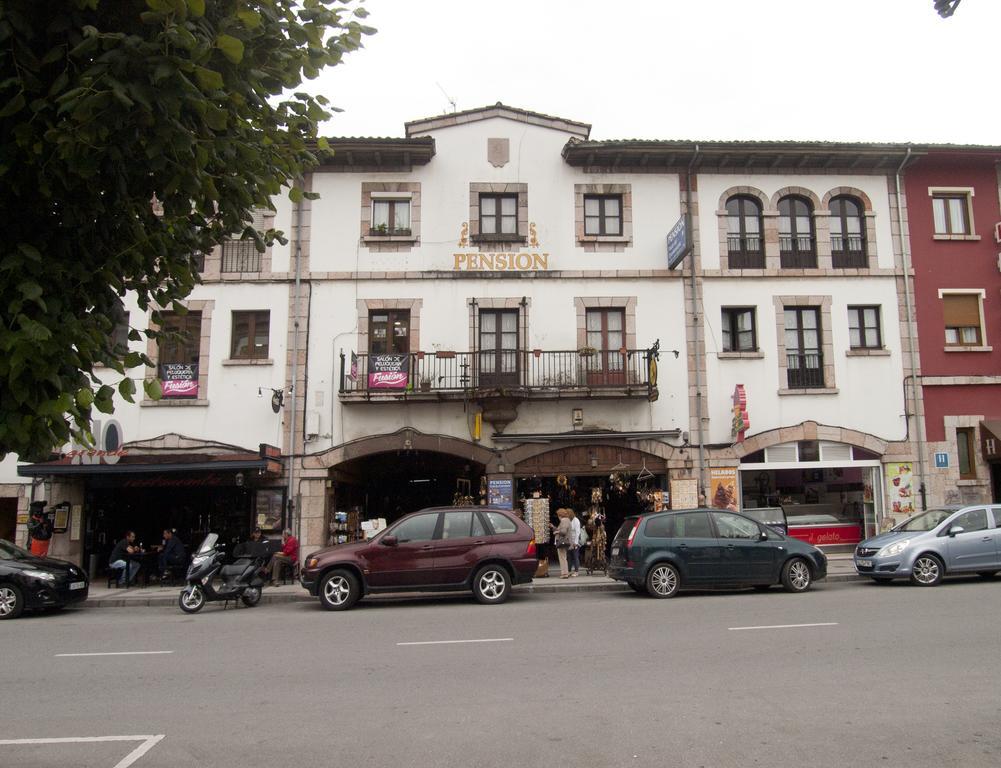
(953, 208)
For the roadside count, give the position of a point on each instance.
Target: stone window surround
(509, 302)
(385, 189)
(625, 303)
(366, 306)
(205, 306)
(952, 423)
(264, 218)
(238, 361)
(603, 243)
(968, 193)
(984, 346)
(826, 342)
(821, 227)
(500, 244)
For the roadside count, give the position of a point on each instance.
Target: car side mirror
(389, 541)
(762, 536)
(956, 529)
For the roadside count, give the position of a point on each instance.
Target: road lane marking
(456, 642)
(148, 742)
(115, 653)
(787, 626)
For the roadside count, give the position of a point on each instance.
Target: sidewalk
(839, 568)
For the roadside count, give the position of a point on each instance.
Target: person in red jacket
(288, 556)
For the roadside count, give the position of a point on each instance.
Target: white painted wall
(870, 395)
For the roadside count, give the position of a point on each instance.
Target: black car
(28, 581)
(689, 548)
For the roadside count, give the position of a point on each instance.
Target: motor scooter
(241, 580)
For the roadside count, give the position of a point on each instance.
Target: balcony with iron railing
(797, 252)
(805, 370)
(526, 374)
(848, 251)
(240, 256)
(745, 252)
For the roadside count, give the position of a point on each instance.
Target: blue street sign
(942, 460)
(677, 244)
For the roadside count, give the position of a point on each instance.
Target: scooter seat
(233, 572)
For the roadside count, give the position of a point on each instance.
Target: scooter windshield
(208, 544)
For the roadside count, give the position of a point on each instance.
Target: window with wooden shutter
(961, 313)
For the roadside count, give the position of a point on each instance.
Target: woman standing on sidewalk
(562, 540)
(574, 547)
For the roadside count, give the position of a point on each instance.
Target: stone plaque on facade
(498, 152)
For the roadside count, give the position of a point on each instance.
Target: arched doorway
(376, 480)
(603, 483)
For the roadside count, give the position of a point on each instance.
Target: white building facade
(484, 310)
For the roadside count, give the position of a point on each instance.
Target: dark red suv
(483, 549)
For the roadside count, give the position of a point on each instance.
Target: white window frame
(967, 193)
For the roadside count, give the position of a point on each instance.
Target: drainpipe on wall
(912, 353)
(295, 521)
(696, 325)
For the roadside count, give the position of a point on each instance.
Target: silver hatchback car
(934, 543)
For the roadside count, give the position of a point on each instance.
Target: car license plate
(863, 563)
(615, 551)
(78, 584)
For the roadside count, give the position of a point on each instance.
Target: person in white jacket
(574, 544)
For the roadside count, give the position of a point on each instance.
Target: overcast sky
(841, 70)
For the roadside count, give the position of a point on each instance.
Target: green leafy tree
(104, 106)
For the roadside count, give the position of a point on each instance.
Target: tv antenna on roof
(450, 99)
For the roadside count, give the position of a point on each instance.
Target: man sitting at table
(120, 558)
(288, 555)
(172, 554)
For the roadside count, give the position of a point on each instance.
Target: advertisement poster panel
(900, 489)
(723, 488)
(500, 493)
(684, 493)
(179, 380)
(388, 371)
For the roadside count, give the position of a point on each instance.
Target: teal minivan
(662, 553)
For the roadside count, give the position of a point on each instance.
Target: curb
(536, 587)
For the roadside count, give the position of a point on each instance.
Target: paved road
(890, 676)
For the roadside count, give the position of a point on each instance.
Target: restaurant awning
(97, 463)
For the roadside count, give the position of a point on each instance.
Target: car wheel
(339, 590)
(927, 571)
(987, 574)
(663, 580)
(491, 585)
(251, 596)
(796, 576)
(762, 587)
(11, 601)
(191, 600)
(637, 587)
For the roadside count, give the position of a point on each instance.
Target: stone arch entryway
(810, 430)
(383, 477)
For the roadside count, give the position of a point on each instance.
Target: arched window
(744, 239)
(797, 244)
(847, 232)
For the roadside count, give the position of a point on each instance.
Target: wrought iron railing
(745, 252)
(805, 370)
(848, 251)
(509, 371)
(240, 256)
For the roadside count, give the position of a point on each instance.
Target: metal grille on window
(240, 256)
